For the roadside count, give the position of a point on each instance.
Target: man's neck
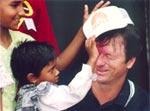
(106, 92)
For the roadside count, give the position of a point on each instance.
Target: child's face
(10, 13)
(49, 73)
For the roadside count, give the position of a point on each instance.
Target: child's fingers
(106, 4)
(90, 42)
(86, 12)
(98, 5)
(101, 4)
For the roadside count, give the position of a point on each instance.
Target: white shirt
(58, 97)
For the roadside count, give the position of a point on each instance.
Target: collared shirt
(139, 101)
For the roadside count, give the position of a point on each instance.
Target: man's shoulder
(141, 93)
(89, 103)
(140, 100)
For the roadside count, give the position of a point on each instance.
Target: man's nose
(101, 60)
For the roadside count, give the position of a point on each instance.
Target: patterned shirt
(51, 97)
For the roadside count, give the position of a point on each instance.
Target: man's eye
(110, 57)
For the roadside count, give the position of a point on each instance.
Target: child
(5, 80)
(34, 66)
(10, 13)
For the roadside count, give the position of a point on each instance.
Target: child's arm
(66, 57)
(62, 97)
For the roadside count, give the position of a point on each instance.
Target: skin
(12, 10)
(111, 69)
(73, 48)
(10, 13)
(50, 72)
(78, 40)
(111, 57)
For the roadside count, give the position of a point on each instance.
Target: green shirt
(9, 93)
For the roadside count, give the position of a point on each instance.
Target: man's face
(111, 65)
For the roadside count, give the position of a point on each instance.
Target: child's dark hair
(30, 57)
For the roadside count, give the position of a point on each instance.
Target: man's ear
(32, 78)
(131, 62)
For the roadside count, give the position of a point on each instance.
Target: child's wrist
(91, 61)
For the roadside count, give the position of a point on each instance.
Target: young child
(5, 80)
(10, 13)
(34, 66)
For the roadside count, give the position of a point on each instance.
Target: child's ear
(32, 78)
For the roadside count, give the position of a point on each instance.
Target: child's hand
(90, 45)
(97, 6)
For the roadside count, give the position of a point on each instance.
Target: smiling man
(118, 44)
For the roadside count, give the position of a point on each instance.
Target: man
(119, 45)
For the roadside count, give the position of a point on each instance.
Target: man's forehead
(117, 44)
(116, 38)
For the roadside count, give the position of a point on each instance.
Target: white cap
(106, 19)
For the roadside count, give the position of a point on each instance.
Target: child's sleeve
(62, 97)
